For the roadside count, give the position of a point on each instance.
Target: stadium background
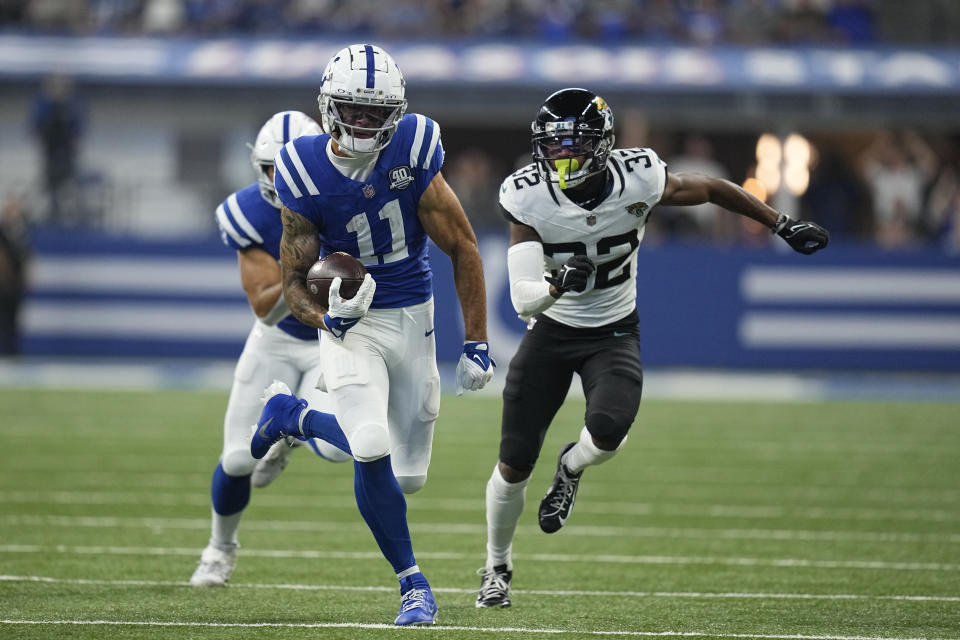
(839, 111)
(773, 489)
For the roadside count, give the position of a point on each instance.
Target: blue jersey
(246, 221)
(374, 220)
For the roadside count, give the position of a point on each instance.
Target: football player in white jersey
(576, 217)
(279, 347)
(371, 186)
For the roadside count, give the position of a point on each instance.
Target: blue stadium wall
(846, 308)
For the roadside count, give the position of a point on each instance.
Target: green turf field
(718, 520)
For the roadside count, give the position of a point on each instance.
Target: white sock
(224, 531)
(504, 505)
(408, 572)
(584, 453)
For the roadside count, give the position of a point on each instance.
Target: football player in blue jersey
(279, 347)
(371, 186)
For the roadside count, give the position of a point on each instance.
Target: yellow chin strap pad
(564, 167)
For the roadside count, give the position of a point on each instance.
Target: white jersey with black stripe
(609, 234)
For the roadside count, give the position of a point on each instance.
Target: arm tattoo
(299, 249)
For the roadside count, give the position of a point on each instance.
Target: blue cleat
(417, 605)
(280, 418)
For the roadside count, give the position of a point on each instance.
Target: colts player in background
(576, 217)
(372, 187)
(279, 347)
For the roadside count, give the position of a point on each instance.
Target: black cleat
(494, 587)
(558, 502)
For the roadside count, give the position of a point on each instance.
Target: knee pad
(411, 484)
(238, 462)
(608, 425)
(369, 442)
(430, 409)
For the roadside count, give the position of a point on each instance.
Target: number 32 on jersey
(609, 273)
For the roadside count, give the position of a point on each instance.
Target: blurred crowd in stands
(700, 22)
(898, 190)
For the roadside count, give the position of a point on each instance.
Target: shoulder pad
(238, 215)
(518, 188)
(421, 136)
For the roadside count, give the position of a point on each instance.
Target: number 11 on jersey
(360, 225)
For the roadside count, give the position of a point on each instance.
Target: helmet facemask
(568, 160)
(361, 127)
(277, 131)
(265, 181)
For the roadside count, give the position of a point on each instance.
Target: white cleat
(216, 565)
(270, 465)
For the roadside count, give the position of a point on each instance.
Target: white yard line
(446, 628)
(452, 528)
(943, 497)
(562, 593)
(688, 489)
(859, 514)
(533, 557)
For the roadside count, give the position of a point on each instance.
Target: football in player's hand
(334, 265)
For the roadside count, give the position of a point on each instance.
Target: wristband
(338, 326)
(782, 221)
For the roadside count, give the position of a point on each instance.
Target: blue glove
(339, 326)
(475, 368)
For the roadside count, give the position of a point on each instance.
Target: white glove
(475, 368)
(343, 314)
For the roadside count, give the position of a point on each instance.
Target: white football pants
(385, 386)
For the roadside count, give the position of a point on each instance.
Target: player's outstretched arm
(684, 189)
(446, 223)
(299, 248)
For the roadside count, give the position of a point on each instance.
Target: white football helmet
(362, 98)
(280, 129)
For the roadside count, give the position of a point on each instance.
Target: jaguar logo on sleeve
(637, 209)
